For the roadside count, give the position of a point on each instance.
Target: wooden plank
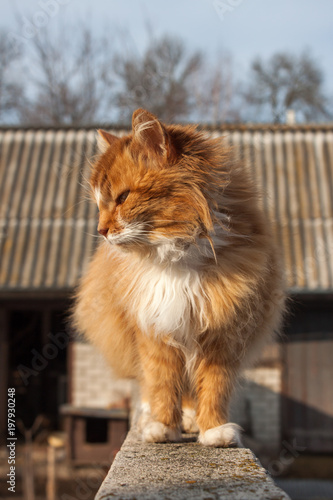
(114, 413)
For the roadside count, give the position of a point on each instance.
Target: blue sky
(245, 28)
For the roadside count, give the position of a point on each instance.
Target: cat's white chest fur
(166, 298)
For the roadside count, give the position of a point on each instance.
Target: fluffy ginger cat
(186, 286)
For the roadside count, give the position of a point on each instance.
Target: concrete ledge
(186, 470)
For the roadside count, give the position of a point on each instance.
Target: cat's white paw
(223, 436)
(156, 432)
(189, 423)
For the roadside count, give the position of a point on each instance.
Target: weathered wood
(51, 475)
(114, 413)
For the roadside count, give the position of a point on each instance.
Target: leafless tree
(286, 81)
(158, 80)
(214, 91)
(70, 79)
(11, 88)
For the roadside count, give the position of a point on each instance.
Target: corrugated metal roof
(48, 224)
(295, 169)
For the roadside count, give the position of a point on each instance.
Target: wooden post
(51, 477)
(54, 443)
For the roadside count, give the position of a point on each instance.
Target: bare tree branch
(214, 90)
(158, 80)
(286, 81)
(70, 79)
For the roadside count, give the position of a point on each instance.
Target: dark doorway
(37, 339)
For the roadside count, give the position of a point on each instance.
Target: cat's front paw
(156, 432)
(223, 436)
(189, 423)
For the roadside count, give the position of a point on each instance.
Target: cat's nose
(103, 231)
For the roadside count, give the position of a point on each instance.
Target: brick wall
(92, 382)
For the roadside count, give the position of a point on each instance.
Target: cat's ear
(150, 133)
(105, 140)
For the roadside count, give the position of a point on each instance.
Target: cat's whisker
(171, 222)
(84, 200)
(93, 235)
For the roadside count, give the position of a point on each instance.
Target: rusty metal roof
(48, 225)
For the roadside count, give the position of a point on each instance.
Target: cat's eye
(122, 197)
